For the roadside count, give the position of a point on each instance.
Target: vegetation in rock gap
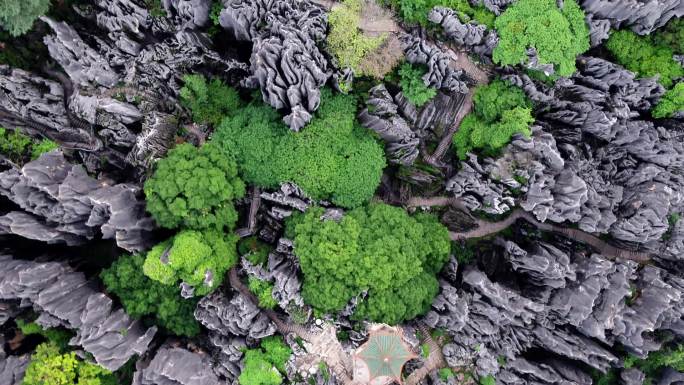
(346, 42)
(263, 291)
(333, 157)
(58, 337)
(671, 35)
(557, 35)
(51, 366)
(209, 102)
(378, 249)
(652, 366)
(671, 103)
(254, 250)
(643, 56)
(413, 86)
(200, 259)
(19, 147)
(265, 365)
(17, 16)
(155, 7)
(194, 188)
(500, 111)
(142, 296)
(416, 11)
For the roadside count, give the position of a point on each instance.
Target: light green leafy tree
(346, 41)
(558, 35)
(194, 188)
(265, 365)
(379, 249)
(209, 102)
(332, 158)
(500, 111)
(17, 16)
(199, 259)
(142, 296)
(263, 291)
(49, 366)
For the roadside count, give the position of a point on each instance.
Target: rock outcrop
(176, 366)
(60, 202)
(70, 299)
(641, 16)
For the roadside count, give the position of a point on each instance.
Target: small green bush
(17, 146)
(265, 365)
(263, 290)
(642, 56)
(209, 102)
(142, 296)
(58, 337)
(500, 111)
(199, 259)
(416, 11)
(194, 188)
(17, 16)
(332, 158)
(49, 366)
(346, 42)
(671, 103)
(45, 145)
(413, 86)
(558, 35)
(254, 250)
(487, 380)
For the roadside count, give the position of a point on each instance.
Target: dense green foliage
(58, 337)
(500, 111)
(416, 11)
(346, 42)
(199, 259)
(379, 249)
(194, 188)
(333, 157)
(487, 380)
(17, 16)
(263, 290)
(254, 250)
(413, 86)
(671, 35)
(558, 35)
(17, 146)
(641, 55)
(671, 103)
(265, 365)
(209, 102)
(49, 366)
(143, 296)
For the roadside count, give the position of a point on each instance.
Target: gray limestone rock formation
(286, 63)
(381, 115)
(441, 75)
(642, 16)
(475, 37)
(12, 369)
(60, 202)
(176, 366)
(236, 316)
(54, 288)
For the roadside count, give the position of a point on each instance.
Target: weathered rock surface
(61, 203)
(286, 63)
(12, 369)
(236, 316)
(441, 74)
(641, 16)
(176, 366)
(475, 37)
(54, 288)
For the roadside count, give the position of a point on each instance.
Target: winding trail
(485, 228)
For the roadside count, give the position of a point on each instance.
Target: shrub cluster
(416, 11)
(671, 103)
(378, 249)
(208, 102)
(413, 86)
(17, 16)
(500, 111)
(19, 147)
(265, 365)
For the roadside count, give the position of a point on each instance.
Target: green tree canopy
(49, 366)
(142, 296)
(265, 365)
(194, 188)
(17, 16)
(333, 157)
(558, 35)
(500, 111)
(643, 56)
(416, 11)
(199, 259)
(413, 86)
(671, 103)
(263, 290)
(346, 41)
(379, 249)
(209, 102)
